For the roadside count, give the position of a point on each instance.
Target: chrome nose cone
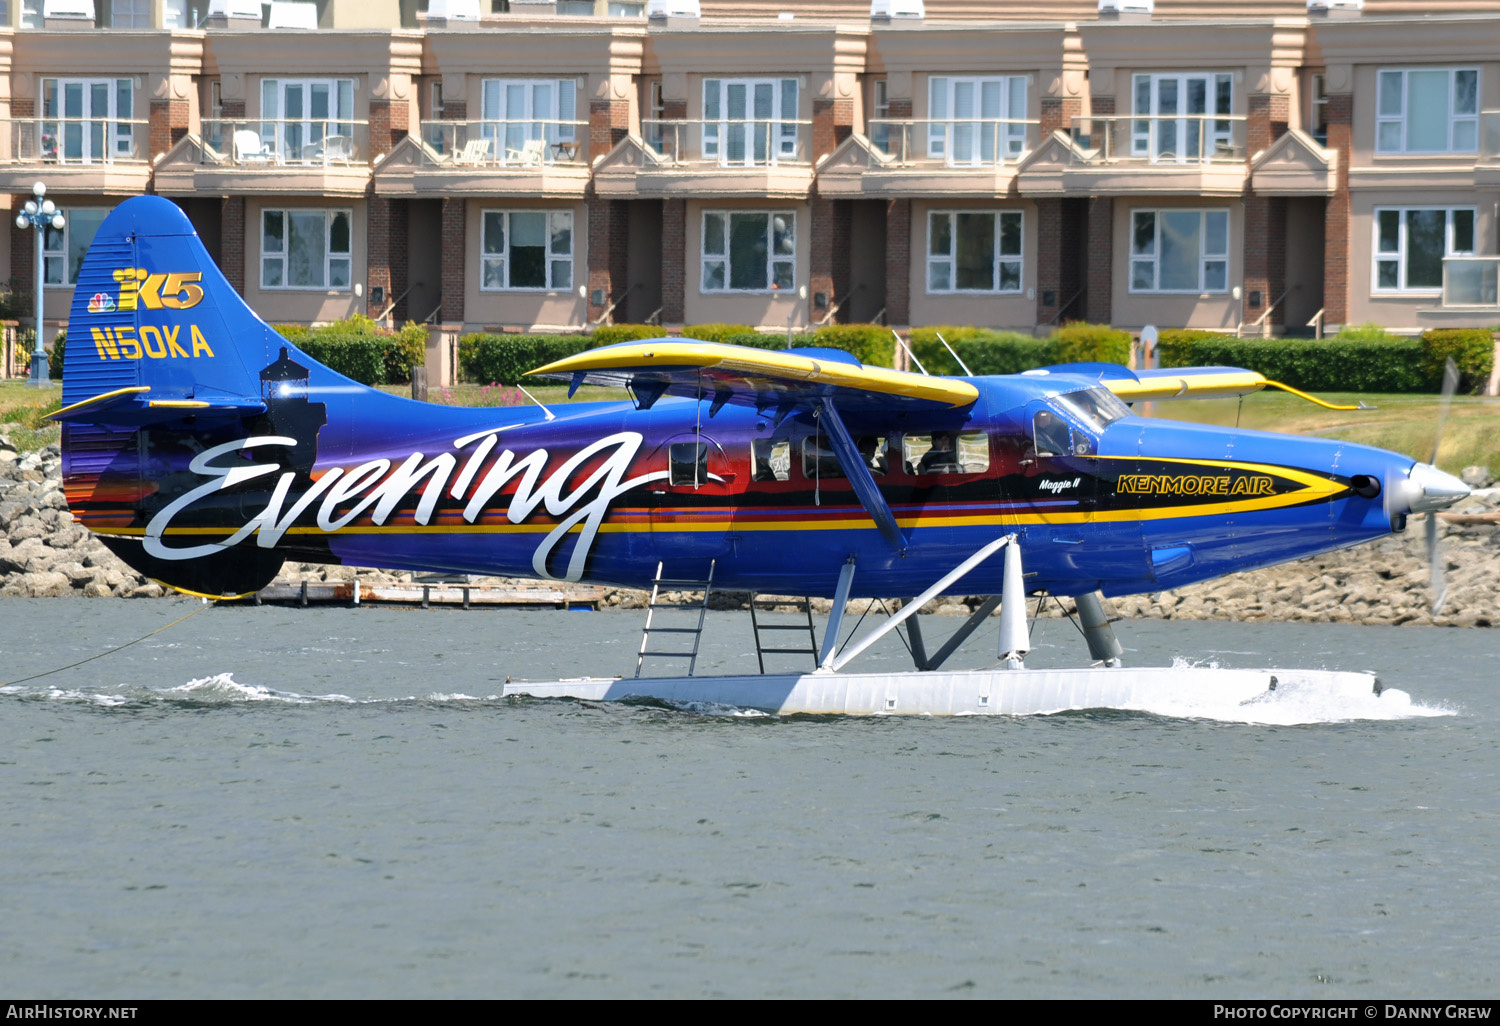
(1428, 489)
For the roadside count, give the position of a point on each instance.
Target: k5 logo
(175, 291)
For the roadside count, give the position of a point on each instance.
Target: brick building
(524, 165)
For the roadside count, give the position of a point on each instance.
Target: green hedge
(360, 349)
(986, 351)
(716, 332)
(504, 359)
(611, 334)
(1366, 360)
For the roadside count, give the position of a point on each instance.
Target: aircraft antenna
(961, 364)
(909, 353)
(549, 413)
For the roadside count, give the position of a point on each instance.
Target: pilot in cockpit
(1052, 434)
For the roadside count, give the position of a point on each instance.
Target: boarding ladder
(805, 624)
(656, 603)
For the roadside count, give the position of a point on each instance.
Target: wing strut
(858, 473)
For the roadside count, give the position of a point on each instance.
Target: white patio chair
(249, 148)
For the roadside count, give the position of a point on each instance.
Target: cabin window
(1052, 434)
(946, 452)
(749, 251)
(87, 120)
(976, 122)
(1411, 242)
(1179, 251)
(974, 251)
(526, 250)
(688, 463)
(530, 121)
(306, 248)
(771, 459)
(819, 460)
(63, 251)
(1427, 110)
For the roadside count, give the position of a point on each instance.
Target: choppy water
(324, 802)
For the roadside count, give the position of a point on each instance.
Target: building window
(880, 112)
(63, 251)
(1428, 110)
(530, 121)
(749, 251)
(305, 248)
(1179, 251)
(750, 121)
(1175, 117)
(976, 121)
(656, 104)
(299, 114)
(526, 250)
(130, 14)
(575, 8)
(91, 119)
(974, 251)
(1410, 244)
(175, 14)
(1317, 108)
(434, 132)
(627, 10)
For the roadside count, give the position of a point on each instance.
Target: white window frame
(1205, 258)
(296, 138)
(751, 139)
(938, 263)
(1400, 255)
(109, 132)
(57, 269)
(559, 261)
(1463, 126)
(333, 260)
(513, 115)
(880, 111)
(138, 17)
(992, 133)
(1210, 128)
(787, 260)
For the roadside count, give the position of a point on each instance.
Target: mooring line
(111, 651)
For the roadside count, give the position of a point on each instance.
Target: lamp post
(39, 213)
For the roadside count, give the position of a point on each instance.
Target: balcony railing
(286, 142)
(729, 143)
(954, 142)
(507, 144)
(1471, 281)
(77, 141)
(1165, 139)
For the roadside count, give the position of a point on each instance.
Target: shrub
(983, 350)
(871, 344)
(405, 350)
(55, 364)
(504, 359)
(610, 334)
(1472, 349)
(716, 332)
(1174, 344)
(293, 333)
(1327, 365)
(361, 357)
(762, 340)
(1366, 332)
(1080, 342)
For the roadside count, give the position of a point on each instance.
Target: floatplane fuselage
(205, 449)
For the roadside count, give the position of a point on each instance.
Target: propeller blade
(1450, 385)
(1436, 566)
(1435, 563)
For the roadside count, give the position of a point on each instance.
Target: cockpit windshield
(1097, 408)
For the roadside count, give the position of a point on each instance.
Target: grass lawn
(1403, 423)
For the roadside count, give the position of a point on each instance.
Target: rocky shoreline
(45, 554)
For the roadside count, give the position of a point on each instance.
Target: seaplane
(205, 449)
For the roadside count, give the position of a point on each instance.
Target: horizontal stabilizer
(756, 377)
(136, 406)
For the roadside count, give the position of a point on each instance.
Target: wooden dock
(464, 596)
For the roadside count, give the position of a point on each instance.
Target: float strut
(1103, 646)
(1015, 639)
(836, 615)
